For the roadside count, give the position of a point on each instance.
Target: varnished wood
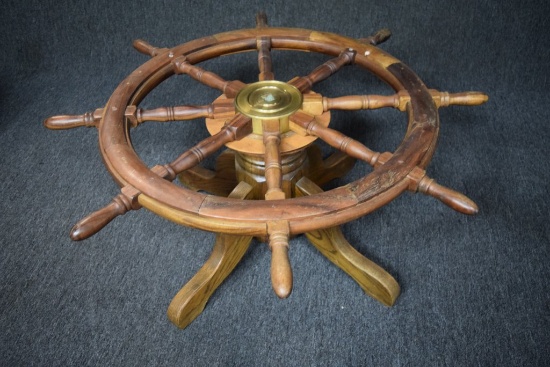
(136, 116)
(219, 182)
(146, 48)
(229, 88)
(400, 100)
(94, 222)
(63, 122)
(273, 168)
(322, 171)
(239, 127)
(281, 271)
(379, 37)
(374, 280)
(228, 250)
(274, 164)
(290, 141)
(334, 138)
(325, 70)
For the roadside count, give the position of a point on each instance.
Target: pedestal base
(228, 250)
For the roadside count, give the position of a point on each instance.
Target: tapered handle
(449, 197)
(94, 222)
(281, 271)
(146, 48)
(62, 122)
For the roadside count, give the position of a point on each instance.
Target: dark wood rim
(303, 214)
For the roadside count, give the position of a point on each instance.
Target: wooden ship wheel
(267, 182)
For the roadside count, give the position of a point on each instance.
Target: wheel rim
(303, 214)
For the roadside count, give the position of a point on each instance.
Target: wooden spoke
(417, 177)
(229, 88)
(302, 122)
(264, 50)
(94, 222)
(264, 59)
(323, 71)
(136, 116)
(281, 271)
(145, 48)
(261, 20)
(219, 109)
(360, 102)
(272, 157)
(239, 127)
(379, 37)
(401, 99)
(63, 122)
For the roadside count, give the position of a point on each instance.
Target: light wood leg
(321, 171)
(219, 182)
(374, 280)
(228, 250)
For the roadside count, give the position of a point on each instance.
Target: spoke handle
(63, 122)
(281, 270)
(461, 99)
(261, 20)
(379, 37)
(93, 223)
(453, 199)
(146, 48)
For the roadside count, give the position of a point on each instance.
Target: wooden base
(228, 250)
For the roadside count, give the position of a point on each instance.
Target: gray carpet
(474, 289)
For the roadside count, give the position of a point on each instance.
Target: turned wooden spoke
(264, 59)
(303, 122)
(218, 109)
(264, 50)
(63, 122)
(229, 88)
(417, 177)
(136, 115)
(360, 102)
(323, 71)
(261, 20)
(379, 37)
(281, 271)
(146, 48)
(170, 113)
(401, 99)
(239, 127)
(272, 157)
(94, 222)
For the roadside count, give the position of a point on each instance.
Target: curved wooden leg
(337, 165)
(219, 182)
(374, 280)
(228, 250)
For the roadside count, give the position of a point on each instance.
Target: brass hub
(268, 100)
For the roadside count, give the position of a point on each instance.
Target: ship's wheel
(267, 183)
